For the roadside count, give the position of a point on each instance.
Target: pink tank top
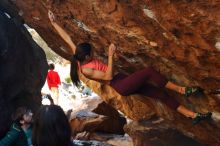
(96, 64)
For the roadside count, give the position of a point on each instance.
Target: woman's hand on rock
(111, 50)
(51, 16)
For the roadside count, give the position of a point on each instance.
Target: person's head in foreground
(51, 127)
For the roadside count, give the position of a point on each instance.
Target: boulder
(97, 117)
(178, 38)
(157, 132)
(23, 68)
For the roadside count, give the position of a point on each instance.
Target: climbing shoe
(193, 91)
(199, 117)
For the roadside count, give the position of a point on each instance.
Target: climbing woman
(83, 62)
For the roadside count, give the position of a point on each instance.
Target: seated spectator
(27, 126)
(51, 127)
(16, 135)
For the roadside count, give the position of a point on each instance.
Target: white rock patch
(217, 46)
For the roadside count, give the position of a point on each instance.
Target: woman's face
(28, 117)
(91, 54)
(89, 57)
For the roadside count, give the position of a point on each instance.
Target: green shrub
(68, 80)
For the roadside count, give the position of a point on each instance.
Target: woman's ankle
(174, 87)
(186, 112)
(182, 90)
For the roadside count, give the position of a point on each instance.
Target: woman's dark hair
(82, 50)
(51, 66)
(51, 127)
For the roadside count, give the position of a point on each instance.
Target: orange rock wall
(177, 37)
(180, 38)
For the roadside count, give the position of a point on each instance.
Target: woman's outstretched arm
(110, 69)
(62, 32)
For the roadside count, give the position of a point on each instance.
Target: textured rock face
(23, 68)
(174, 36)
(157, 132)
(115, 122)
(180, 38)
(134, 106)
(137, 108)
(98, 117)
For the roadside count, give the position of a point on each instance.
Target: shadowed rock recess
(23, 67)
(180, 38)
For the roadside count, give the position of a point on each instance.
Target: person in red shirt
(53, 80)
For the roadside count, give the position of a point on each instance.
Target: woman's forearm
(111, 52)
(109, 71)
(64, 36)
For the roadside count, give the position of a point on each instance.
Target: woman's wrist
(110, 56)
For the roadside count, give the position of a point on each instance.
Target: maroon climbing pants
(142, 82)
